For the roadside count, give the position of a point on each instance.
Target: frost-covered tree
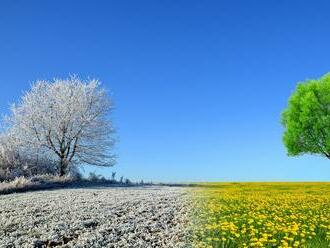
(68, 119)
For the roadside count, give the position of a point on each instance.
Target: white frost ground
(100, 217)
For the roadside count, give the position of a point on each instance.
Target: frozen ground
(100, 217)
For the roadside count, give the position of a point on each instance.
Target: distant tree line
(55, 127)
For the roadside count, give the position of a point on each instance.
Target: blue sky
(198, 85)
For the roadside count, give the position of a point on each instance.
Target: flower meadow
(261, 215)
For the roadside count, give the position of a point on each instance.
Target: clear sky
(198, 85)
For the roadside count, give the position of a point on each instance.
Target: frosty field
(100, 217)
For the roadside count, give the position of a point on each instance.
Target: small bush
(20, 182)
(93, 177)
(17, 183)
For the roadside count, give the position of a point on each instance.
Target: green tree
(307, 119)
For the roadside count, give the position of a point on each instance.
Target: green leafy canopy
(307, 118)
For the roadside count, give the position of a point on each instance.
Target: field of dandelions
(262, 215)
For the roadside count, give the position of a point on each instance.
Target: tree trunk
(63, 167)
